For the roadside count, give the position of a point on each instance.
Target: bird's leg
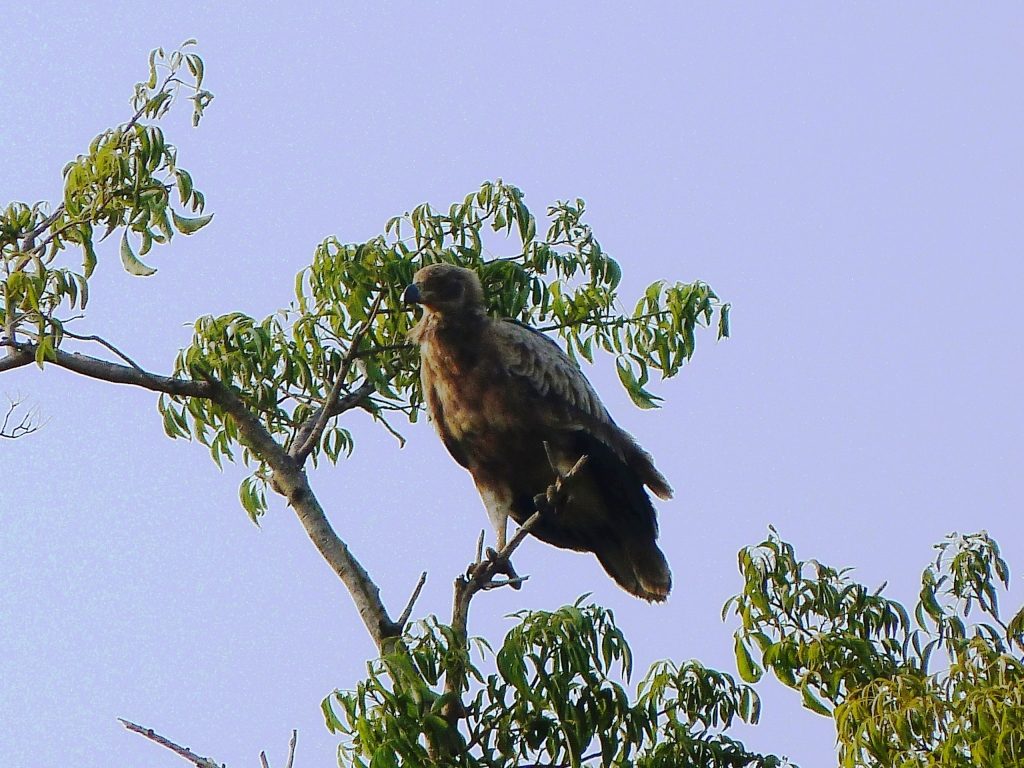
(501, 531)
(490, 559)
(503, 564)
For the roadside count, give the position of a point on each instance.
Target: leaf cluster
(124, 182)
(283, 365)
(556, 697)
(858, 656)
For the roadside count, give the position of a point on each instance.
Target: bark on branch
(23, 353)
(197, 760)
(288, 474)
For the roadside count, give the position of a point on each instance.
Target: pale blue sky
(848, 176)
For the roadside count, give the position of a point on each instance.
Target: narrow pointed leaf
(131, 263)
(187, 226)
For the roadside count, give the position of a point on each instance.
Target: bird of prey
(497, 391)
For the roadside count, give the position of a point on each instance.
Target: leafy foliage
(284, 365)
(857, 656)
(556, 697)
(124, 182)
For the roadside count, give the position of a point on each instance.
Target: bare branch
(106, 344)
(403, 619)
(291, 749)
(385, 347)
(197, 760)
(602, 321)
(288, 476)
(289, 479)
(302, 449)
(104, 370)
(480, 575)
(291, 753)
(41, 227)
(28, 424)
(391, 430)
(14, 358)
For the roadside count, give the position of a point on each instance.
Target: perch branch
(480, 575)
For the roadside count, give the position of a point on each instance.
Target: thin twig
(43, 226)
(291, 749)
(387, 425)
(26, 426)
(403, 618)
(385, 347)
(598, 322)
(198, 760)
(103, 342)
(321, 417)
(263, 760)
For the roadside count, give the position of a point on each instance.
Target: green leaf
(812, 702)
(383, 758)
(749, 670)
(187, 226)
(151, 83)
(184, 185)
(723, 322)
(45, 351)
(89, 259)
(131, 263)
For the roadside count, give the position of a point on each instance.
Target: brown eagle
(496, 391)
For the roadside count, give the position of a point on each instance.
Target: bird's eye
(446, 290)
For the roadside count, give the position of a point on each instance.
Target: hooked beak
(411, 294)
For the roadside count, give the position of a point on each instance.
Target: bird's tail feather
(640, 568)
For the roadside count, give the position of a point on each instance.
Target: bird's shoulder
(537, 361)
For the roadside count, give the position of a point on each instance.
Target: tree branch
(288, 476)
(197, 760)
(319, 420)
(353, 399)
(403, 618)
(103, 342)
(480, 576)
(289, 479)
(14, 358)
(26, 426)
(291, 749)
(104, 370)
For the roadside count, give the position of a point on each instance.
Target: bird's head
(446, 289)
